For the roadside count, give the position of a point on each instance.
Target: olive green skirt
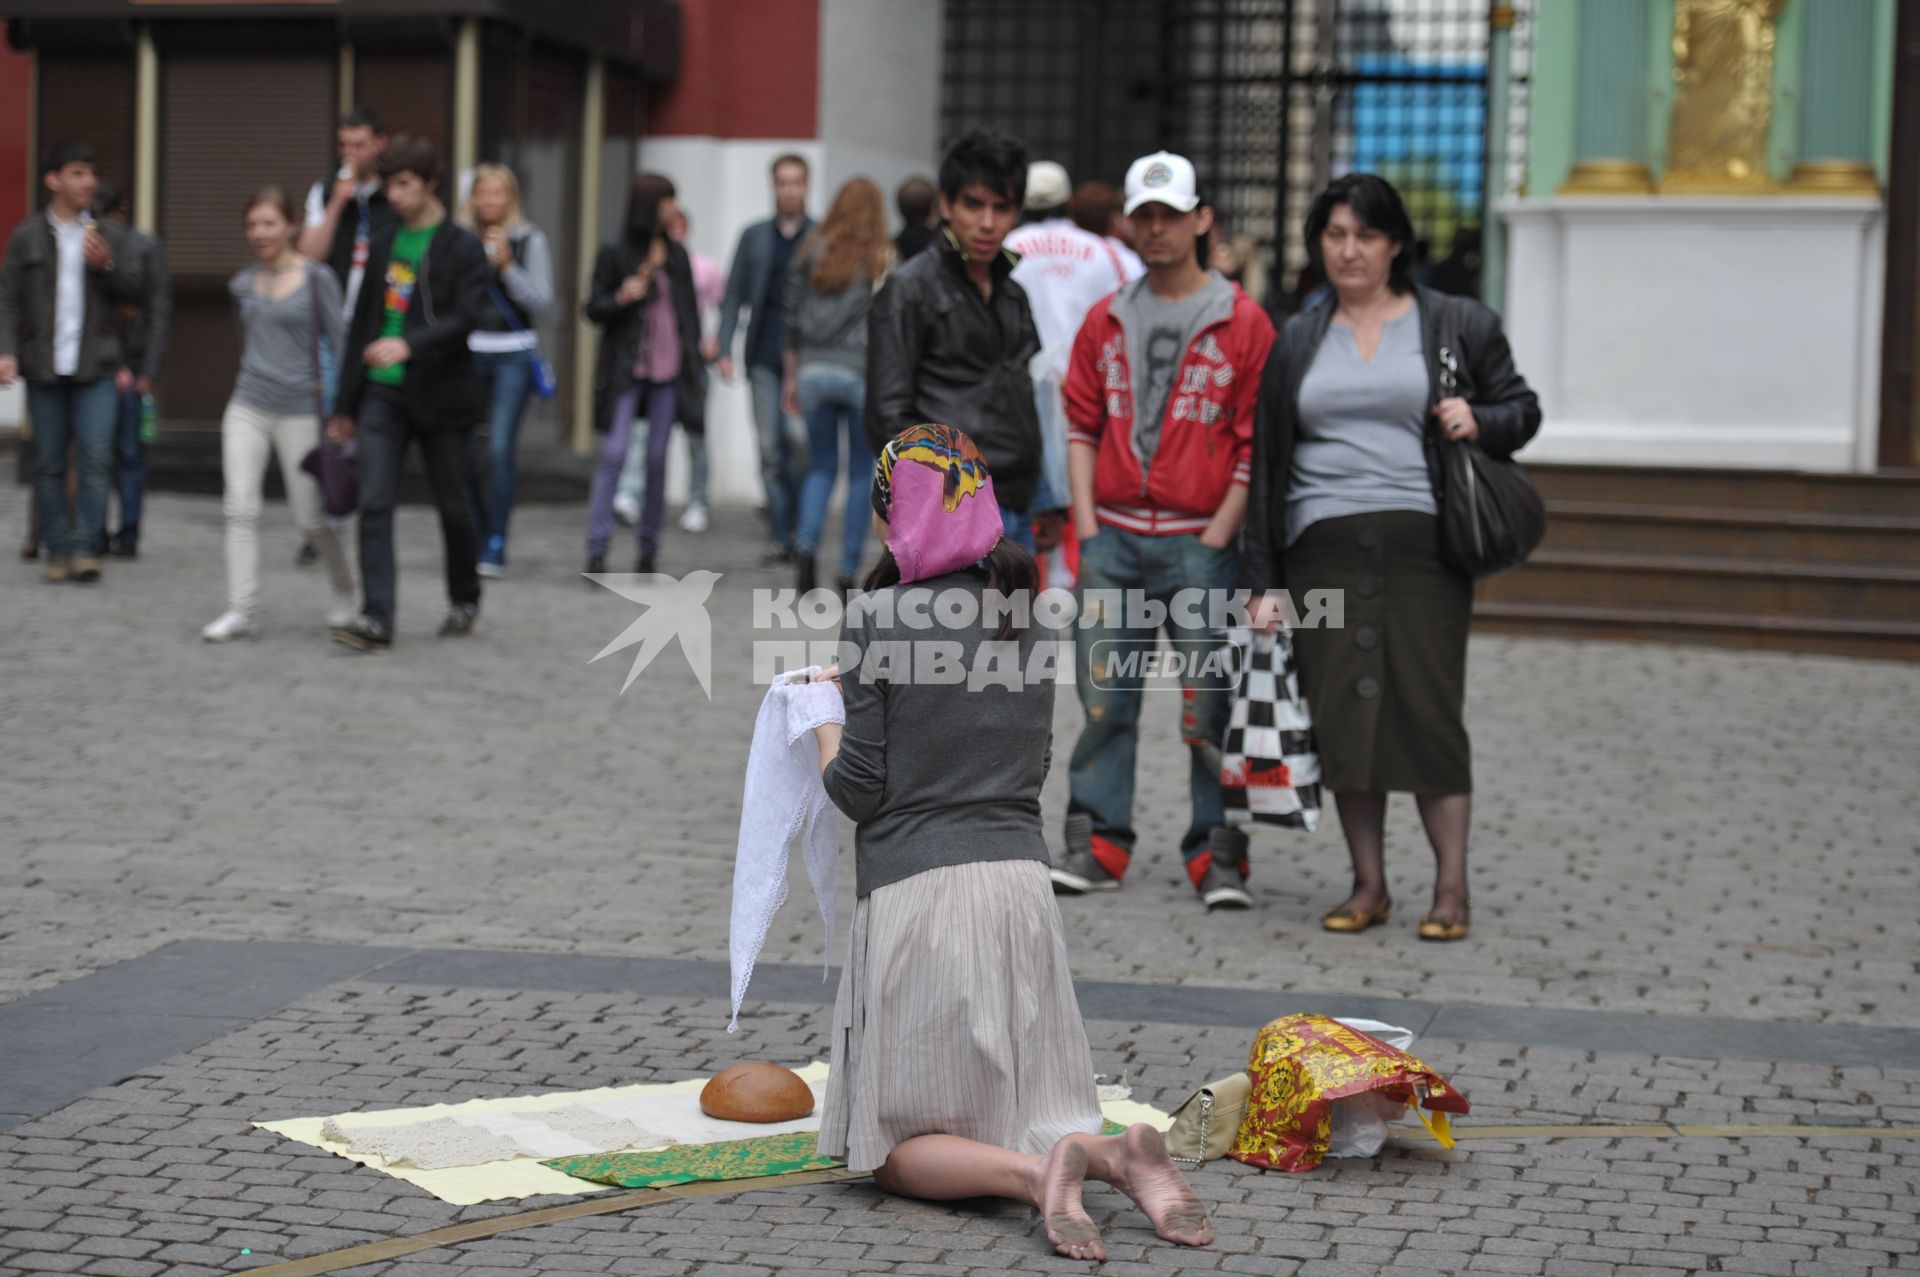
(1386, 690)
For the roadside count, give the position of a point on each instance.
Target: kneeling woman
(960, 1062)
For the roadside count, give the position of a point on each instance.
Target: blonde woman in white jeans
(272, 410)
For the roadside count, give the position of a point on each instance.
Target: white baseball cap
(1162, 178)
(1048, 185)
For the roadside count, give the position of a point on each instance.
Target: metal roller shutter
(232, 124)
(413, 93)
(88, 98)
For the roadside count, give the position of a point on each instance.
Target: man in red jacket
(1160, 398)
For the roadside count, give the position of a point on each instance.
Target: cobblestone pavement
(163, 1174)
(1659, 829)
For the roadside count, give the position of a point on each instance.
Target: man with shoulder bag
(407, 377)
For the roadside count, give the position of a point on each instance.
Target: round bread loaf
(756, 1092)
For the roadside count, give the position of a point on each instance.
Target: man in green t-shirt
(406, 377)
(403, 275)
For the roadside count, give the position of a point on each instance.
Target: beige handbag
(1204, 1127)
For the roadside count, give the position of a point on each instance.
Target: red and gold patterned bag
(1301, 1064)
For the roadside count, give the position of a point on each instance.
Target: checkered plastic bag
(1269, 768)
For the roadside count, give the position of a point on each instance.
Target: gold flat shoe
(1456, 930)
(1352, 921)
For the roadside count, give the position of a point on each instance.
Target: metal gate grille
(1270, 98)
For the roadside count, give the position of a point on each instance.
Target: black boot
(807, 576)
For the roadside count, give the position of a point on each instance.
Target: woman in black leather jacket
(643, 299)
(1344, 499)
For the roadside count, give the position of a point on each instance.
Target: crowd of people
(1028, 381)
(1144, 430)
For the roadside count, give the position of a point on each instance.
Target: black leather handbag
(1491, 515)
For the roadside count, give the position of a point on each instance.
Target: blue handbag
(544, 383)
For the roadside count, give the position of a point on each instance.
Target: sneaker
(626, 508)
(776, 555)
(1077, 871)
(493, 560)
(1219, 873)
(461, 619)
(56, 571)
(363, 634)
(307, 557)
(86, 568)
(694, 520)
(228, 627)
(596, 563)
(346, 606)
(1221, 888)
(643, 564)
(125, 545)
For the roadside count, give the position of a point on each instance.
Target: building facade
(1698, 259)
(190, 107)
(1701, 217)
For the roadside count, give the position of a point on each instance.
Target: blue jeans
(831, 399)
(782, 455)
(1100, 777)
(1055, 491)
(79, 413)
(1017, 525)
(129, 462)
(633, 477)
(509, 378)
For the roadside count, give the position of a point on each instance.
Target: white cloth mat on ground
(667, 1110)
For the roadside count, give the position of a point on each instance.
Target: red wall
(748, 68)
(15, 113)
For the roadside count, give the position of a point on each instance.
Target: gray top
(1362, 429)
(826, 328)
(276, 357)
(941, 773)
(1166, 330)
(1158, 334)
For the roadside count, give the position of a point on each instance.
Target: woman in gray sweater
(290, 330)
(960, 1062)
(829, 286)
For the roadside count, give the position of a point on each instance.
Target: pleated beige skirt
(956, 1016)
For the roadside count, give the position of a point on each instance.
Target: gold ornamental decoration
(1723, 95)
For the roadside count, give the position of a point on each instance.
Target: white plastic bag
(1392, 1034)
(1360, 1124)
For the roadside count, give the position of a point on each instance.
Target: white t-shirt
(317, 216)
(70, 291)
(1065, 270)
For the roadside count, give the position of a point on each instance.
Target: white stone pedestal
(1690, 331)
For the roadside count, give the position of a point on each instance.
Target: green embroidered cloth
(689, 1163)
(692, 1163)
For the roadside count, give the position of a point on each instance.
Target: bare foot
(1069, 1227)
(1149, 1177)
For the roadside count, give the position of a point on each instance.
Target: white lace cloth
(783, 801)
(471, 1139)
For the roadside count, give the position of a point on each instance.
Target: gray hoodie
(1158, 335)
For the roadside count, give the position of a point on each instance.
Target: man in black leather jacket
(950, 334)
